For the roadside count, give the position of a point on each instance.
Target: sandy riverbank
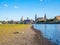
(19, 35)
(40, 40)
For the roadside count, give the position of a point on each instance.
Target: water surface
(50, 31)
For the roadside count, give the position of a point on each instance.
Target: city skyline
(15, 9)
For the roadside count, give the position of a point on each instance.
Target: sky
(15, 9)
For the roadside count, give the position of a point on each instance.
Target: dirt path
(28, 37)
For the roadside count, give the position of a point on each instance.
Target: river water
(50, 31)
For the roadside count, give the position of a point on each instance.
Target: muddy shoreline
(40, 39)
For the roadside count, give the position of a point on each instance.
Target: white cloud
(41, 0)
(5, 5)
(0, 7)
(16, 7)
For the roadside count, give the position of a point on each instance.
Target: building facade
(42, 18)
(57, 18)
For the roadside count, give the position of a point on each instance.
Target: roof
(58, 17)
(40, 19)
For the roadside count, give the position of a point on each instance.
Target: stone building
(41, 18)
(57, 18)
(28, 21)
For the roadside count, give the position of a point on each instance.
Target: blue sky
(15, 9)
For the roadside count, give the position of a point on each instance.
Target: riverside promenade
(28, 37)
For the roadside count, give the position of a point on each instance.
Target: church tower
(35, 17)
(27, 18)
(22, 19)
(45, 16)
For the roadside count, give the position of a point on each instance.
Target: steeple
(45, 16)
(35, 17)
(27, 18)
(22, 18)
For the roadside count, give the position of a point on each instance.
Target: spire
(27, 18)
(22, 18)
(35, 17)
(45, 16)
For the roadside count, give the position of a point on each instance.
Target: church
(40, 18)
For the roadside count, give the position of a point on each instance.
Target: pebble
(22, 32)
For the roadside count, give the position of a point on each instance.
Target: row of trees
(10, 22)
(54, 20)
(49, 21)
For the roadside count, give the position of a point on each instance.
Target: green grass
(6, 30)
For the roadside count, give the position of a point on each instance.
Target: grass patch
(7, 30)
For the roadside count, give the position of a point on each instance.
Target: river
(50, 31)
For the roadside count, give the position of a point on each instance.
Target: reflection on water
(50, 31)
